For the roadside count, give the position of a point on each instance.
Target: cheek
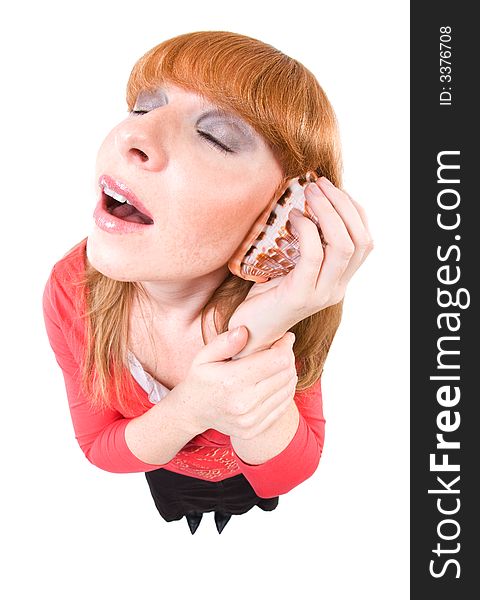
(222, 220)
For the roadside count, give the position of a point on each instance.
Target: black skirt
(175, 495)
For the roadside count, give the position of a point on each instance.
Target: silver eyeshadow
(227, 127)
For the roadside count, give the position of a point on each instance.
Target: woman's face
(204, 176)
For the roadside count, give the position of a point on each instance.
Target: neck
(179, 304)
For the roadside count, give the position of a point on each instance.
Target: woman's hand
(320, 277)
(239, 398)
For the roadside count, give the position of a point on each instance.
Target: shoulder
(64, 285)
(312, 392)
(72, 264)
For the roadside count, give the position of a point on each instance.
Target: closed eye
(214, 142)
(206, 136)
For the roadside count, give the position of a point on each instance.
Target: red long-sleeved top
(208, 456)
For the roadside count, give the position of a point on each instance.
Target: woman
(144, 315)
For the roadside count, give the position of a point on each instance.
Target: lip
(121, 188)
(108, 222)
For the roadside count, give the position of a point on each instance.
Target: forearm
(156, 436)
(272, 441)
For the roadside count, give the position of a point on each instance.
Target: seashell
(271, 249)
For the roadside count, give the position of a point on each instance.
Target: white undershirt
(155, 390)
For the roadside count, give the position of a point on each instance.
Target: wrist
(182, 409)
(258, 341)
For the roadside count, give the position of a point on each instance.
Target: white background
(73, 531)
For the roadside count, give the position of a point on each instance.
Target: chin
(106, 260)
(116, 265)
(107, 269)
(126, 264)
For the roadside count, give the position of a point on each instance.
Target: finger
(366, 244)
(262, 364)
(268, 410)
(362, 213)
(355, 263)
(339, 248)
(357, 231)
(347, 210)
(305, 274)
(276, 405)
(273, 384)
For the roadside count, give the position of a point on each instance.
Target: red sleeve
(101, 436)
(300, 459)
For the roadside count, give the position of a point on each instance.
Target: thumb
(223, 346)
(287, 339)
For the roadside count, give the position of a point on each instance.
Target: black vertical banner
(445, 331)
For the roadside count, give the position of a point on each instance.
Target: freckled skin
(202, 200)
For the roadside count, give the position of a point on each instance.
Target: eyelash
(207, 137)
(213, 142)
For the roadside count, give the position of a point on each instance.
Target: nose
(138, 143)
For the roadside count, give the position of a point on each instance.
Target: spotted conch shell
(271, 249)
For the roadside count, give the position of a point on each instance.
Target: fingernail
(233, 335)
(325, 181)
(295, 213)
(313, 189)
(292, 337)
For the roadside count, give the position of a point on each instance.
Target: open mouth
(121, 208)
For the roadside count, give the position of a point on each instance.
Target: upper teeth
(118, 197)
